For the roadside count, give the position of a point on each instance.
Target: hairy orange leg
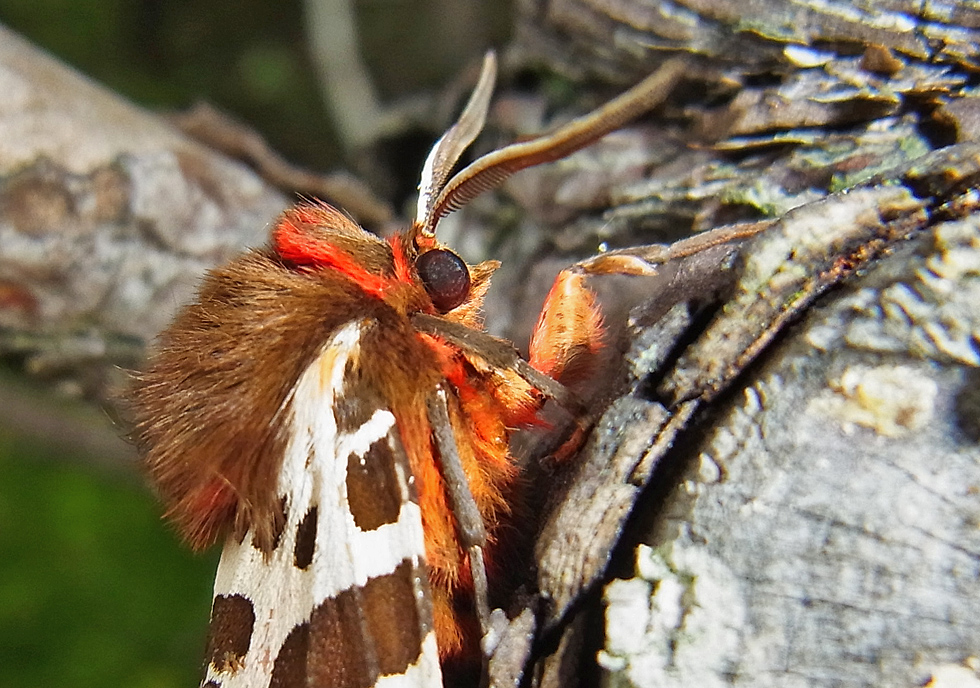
(569, 334)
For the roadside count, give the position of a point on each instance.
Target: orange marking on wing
(569, 332)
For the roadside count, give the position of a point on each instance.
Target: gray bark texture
(809, 519)
(783, 486)
(108, 218)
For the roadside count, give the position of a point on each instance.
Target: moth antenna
(450, 146)
(493, 168)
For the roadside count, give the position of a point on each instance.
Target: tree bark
(108, 218)
(811, 521)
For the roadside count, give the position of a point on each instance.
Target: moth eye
(446, 278)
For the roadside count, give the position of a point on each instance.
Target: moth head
(442, 272)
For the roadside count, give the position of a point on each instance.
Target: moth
(332, 406)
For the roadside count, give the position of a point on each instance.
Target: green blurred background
(95, 590)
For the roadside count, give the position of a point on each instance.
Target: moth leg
(499, 354)
(643, 260)
(502, 354)
(472, 532)
(569, 333)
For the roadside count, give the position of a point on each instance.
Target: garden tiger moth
(305, 408)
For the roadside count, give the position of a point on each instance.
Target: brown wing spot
(289, 669)
(305, 540)
(232, 619)
(373, 493)
(211, 684)
(340, 655)
(353, 407)
(366, 632)
(384, 599)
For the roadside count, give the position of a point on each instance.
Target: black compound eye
(446, 278)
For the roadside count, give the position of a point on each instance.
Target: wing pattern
(318, 609)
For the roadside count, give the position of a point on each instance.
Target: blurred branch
(72, 428)
(219, 130)
(346, 86)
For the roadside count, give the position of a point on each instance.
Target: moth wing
(343, 597)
